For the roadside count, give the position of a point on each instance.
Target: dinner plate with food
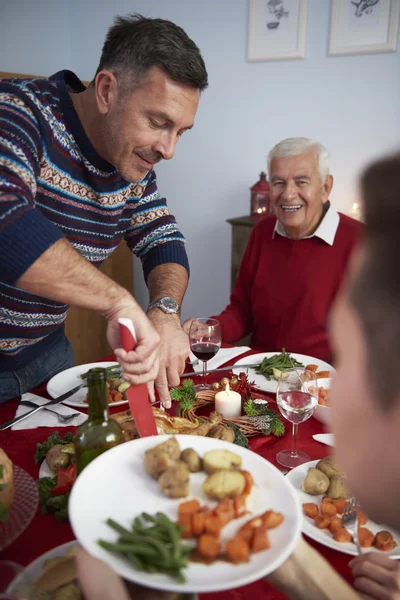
(53, 576)
(185, 513)
(266, 375)
(70, 378)
(322, 490)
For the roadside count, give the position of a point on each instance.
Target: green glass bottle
(99, 433)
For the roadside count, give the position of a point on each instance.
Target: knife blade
(138, 395)
(222, 369)
(15, 420)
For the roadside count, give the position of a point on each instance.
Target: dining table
(45, 533)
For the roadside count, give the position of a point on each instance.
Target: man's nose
(166, 146)
(290, 191)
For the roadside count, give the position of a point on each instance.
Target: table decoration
(228, 403)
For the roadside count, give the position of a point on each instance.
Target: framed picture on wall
(364, 26)
(277, 29)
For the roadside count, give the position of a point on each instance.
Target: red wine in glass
(205, 351)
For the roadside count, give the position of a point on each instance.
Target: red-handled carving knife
(137, 395)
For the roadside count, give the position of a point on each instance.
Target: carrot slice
(310, 509)
(213, 524)
(225, 511)
(238, 550)
(185, 521)
(328, 509)
(365, 537)
(342, 535)
(239, 505)
(384, 541)
(208, 545)
(340, 504)
(272, 519)
(313, 368)
(249, 483)
(246, 532)
(336, 523)
(322, 522)
(189, 507)
(199, 523)
(260, 540)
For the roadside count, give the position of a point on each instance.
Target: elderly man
(295, 261)
(76, 175)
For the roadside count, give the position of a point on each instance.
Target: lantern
(259, 203)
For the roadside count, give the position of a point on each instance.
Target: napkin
(325, 438)
(43, 418)
(222, 356)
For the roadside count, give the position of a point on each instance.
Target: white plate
(34, 569)
(116, 485)
(324, 536)
(70, 378)
(262, 382)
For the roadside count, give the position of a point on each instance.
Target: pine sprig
(185, 394)
(273, 423)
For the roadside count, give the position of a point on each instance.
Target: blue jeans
(56, 358)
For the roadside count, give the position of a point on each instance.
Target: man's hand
(186, 325)
(173, 353)
(142, 364)
(376, 576)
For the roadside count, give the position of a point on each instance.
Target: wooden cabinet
(241, 230)
(87, 330)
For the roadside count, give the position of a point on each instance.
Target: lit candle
(228, 403)
(355, 212)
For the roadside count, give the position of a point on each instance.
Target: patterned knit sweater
(53, 184)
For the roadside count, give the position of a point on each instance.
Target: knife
(194, 374)
(138, 395)
(15, 420)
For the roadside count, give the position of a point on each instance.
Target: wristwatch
(166, 304)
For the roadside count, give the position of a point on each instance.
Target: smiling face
(366, 433)
(139, 130)
(297, 193)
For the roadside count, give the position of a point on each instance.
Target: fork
(350, 521)
(61, 418)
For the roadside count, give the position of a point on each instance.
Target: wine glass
(205, 341)
(297, 397)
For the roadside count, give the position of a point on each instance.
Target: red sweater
(285, 289)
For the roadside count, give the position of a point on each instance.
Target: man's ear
(106, 90)
(328, 185)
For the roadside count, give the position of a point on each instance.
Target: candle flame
(227, 389)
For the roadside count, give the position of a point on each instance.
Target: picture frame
(277, 29)
(363, 26)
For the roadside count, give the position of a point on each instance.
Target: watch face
(169, 304)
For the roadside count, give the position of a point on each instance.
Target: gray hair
(299, 145)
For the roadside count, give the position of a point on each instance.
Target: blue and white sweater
(53, 184)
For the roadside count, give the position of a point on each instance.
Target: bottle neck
(98, 398)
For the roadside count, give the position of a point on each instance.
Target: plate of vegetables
(322, 490)
(70, 378)
(185, 513)
(266, 375)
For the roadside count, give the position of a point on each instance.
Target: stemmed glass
(297, 397)
(205, 341)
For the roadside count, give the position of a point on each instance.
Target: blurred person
(76, 175)
(295, 260)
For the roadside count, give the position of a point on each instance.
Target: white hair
(299, 145)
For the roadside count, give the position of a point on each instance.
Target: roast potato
(315, 483)
(338, 487)
(161, 457)
(224, 484)
(7, 479)
(57, 459)
(192, 460)
(218, 460)
(174, 482)
(329, 466)
(221, 432)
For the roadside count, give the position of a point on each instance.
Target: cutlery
(15, 420)
(137, 396)
(350, 521)
(61, 418)
(222, 369)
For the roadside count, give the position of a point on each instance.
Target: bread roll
(7, 479)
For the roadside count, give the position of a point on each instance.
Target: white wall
(350, 103)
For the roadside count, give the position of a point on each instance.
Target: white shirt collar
(326, 230)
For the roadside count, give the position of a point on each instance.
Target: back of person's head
(375, 288)
(299, 145)
(135, 44)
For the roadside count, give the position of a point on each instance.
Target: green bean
(120, 529)
(117, 547)
(137, 562)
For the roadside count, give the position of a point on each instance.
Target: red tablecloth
(45, 532)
